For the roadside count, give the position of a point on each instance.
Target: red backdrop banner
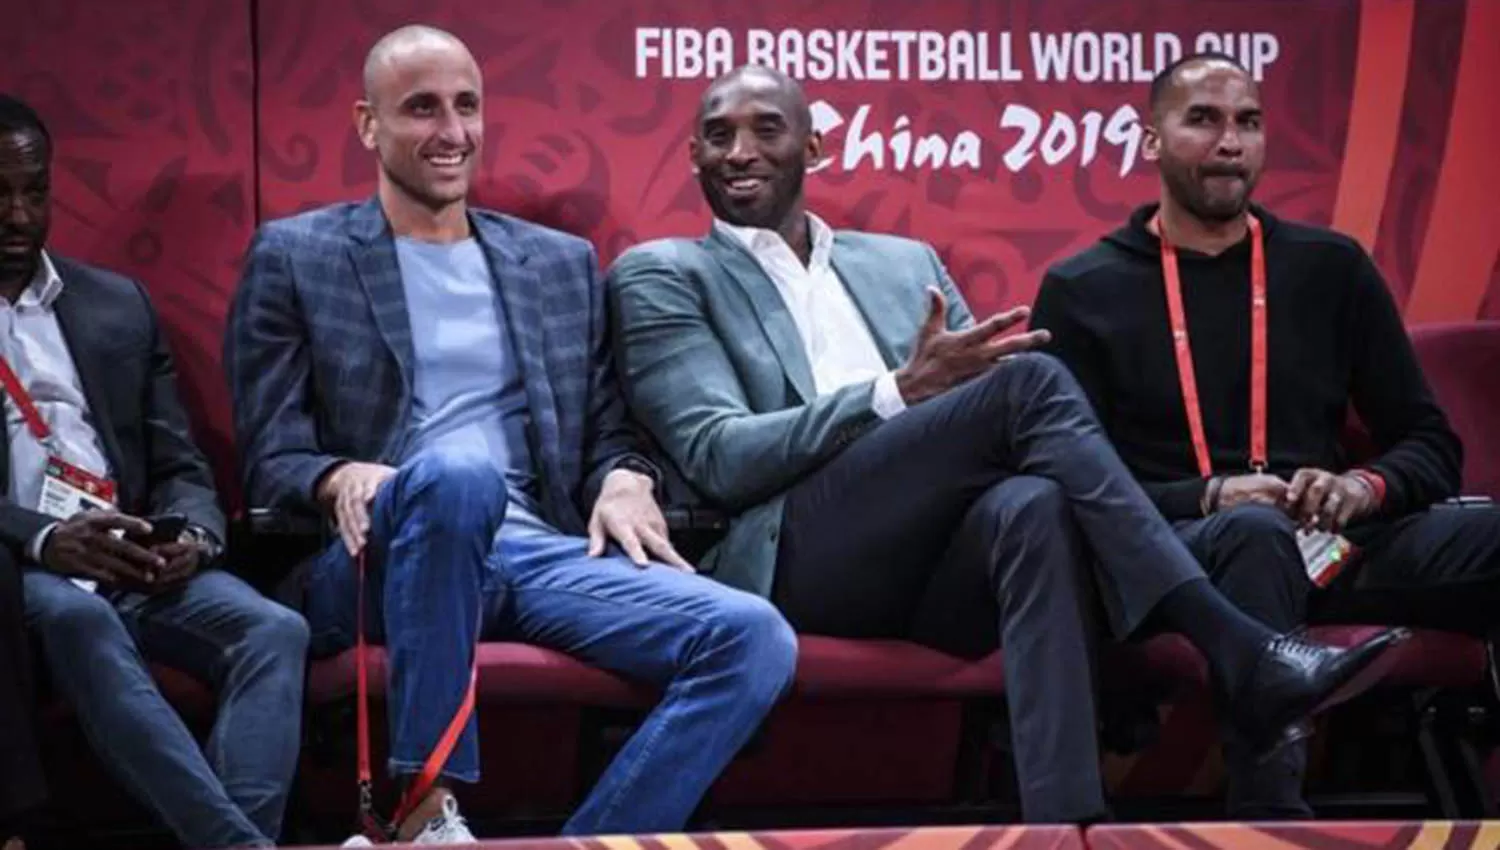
(1004, 132)
(150, 107)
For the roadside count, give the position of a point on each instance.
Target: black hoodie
(1335, 337)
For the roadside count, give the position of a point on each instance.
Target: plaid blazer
(319, 355)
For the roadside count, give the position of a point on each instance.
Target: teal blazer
(712, 365)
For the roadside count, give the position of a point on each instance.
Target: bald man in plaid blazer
(436, 380)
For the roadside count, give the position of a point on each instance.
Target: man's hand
(1319, 499)
(1257, 489)
(943, 359)
(347, 492)
(85, 546)
(627, 513)
(183, 557)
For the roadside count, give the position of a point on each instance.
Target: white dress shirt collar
(762, 242)
(45, 285)
(837, 341)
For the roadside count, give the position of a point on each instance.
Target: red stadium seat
(892, 712)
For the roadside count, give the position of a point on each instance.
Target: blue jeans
(448, 566)
(250, 650)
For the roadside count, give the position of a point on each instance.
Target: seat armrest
(695, 530)
(693, 518)
(265, 544)
(270, 522)
(1467, 502)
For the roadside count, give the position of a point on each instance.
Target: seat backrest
(1462, 364)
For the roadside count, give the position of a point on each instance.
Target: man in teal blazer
(895, 469)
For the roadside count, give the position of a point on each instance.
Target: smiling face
(751, 147)
(25, 203)
(423, 116)
(1208, 140)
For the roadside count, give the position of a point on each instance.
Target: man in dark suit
(435, 378)
(896, 469)
(94, 423)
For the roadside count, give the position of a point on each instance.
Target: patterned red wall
(149, 103)
(1380, 114)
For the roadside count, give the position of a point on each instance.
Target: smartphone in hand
(165, 528)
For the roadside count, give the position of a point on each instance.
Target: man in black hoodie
(1268, 329)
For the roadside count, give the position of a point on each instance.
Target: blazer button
(775, 533)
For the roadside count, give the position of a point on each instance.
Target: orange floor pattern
(1395, 835)
(1369, 835)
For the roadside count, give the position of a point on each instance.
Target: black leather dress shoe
(1296, 679)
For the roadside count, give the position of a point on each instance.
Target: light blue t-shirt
(468, 392)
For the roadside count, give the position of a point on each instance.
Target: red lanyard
(370, 823)
(34, 421)
(1173, 280)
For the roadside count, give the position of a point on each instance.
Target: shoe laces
(447, 828)
(1299, 648)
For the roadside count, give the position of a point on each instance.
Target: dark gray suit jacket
(126, 370)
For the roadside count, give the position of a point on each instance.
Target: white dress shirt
(835, 336)
(32, 342)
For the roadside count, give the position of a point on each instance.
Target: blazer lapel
(521, 292)
(775, 319)
(867, 282)
(379, 273)
(93, 375)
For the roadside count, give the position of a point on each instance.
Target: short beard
(1190, 196)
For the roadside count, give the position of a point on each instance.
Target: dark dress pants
(990, 495)
(22, 788)
(1437, 569)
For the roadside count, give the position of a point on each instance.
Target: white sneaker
(446, 828)
(358, 841)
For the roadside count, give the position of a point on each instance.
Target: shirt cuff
(886, 399)
(1375, 481)
(35, 545)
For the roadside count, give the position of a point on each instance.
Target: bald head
(758, 81)
(423, 116)
(399, 47)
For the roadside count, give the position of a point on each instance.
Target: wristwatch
(211, 548)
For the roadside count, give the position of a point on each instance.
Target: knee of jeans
(85, 624)
(280, 633)
(765, 643)
(467, 482)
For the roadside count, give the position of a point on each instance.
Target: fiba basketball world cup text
(1024, 135)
